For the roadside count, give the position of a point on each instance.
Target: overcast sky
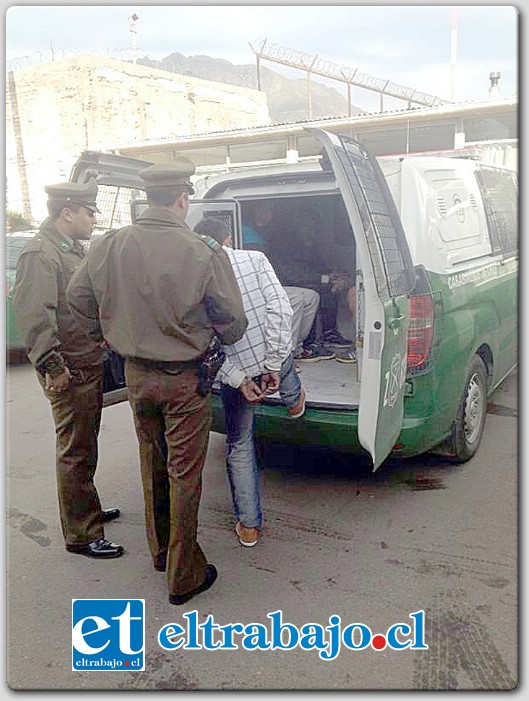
(410, 45)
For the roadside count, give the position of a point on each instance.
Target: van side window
(454, 219)
(499, 190)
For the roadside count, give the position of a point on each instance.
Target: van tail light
(420, 332)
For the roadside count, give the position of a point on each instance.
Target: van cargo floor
(329, 384)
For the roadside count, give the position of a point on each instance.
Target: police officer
(67, 360)
(162, 292)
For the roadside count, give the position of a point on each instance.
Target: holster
(209, 365)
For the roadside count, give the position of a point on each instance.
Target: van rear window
(114, 204)
(499, 190)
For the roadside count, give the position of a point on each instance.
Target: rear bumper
(336, 429)
(317, 427)
(416, 437)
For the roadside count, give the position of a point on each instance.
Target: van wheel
(470, 422)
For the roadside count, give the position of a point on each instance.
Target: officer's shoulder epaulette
(209, 241)
(34, 244)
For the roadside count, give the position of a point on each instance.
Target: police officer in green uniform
(161, 292)
(67, 360)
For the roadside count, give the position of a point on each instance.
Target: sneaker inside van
(334, 338)
(314, 352)
(348, 356)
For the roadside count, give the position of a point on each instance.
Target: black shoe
(334, 338)
(211, 576)
(110, 514)
(314, 352)
(160, 562)
(103, 549)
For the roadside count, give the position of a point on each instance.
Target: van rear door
(388, 280)
(108, 169)
(119, 186)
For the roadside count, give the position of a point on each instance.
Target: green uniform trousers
(172, 424)
(77, 416)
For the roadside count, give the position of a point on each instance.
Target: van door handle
(396, 322)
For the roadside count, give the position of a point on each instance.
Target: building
(56, 110)
(487, 130)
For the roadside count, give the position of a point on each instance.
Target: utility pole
(19, 144)
(134, 32)
(453, 56)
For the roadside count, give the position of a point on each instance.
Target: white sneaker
(297, 411)
(347, 356)
(247, 536)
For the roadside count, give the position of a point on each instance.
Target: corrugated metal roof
(417, 130)
(283, 128)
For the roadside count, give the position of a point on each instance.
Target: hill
(287, 98)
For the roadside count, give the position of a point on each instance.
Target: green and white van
(433, 246)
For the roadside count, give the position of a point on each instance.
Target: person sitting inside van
(299, 261)
(257, 225)
(258, 234)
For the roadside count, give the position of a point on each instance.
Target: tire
(470, 421)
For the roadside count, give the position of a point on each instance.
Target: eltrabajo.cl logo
(108, 635)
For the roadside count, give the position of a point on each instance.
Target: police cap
(83, 194)
(172, 174)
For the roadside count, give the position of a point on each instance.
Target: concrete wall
(56, 110)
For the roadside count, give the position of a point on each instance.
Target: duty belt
(170, 366)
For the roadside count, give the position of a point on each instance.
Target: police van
(431, 244)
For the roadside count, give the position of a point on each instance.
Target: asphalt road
(420, 534)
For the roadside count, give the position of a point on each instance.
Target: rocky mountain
(287, 98)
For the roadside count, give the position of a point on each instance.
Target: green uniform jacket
(159, 290)
(51, 334)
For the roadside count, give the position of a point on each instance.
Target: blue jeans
(241, 458)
